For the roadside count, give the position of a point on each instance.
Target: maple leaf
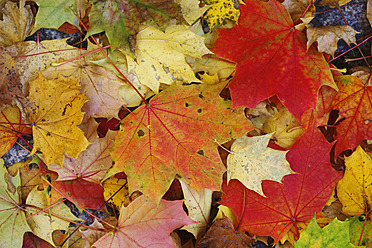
(12, 217)
(11, 128)
(16, 22)
(284, 66)
(90, 235)
(31, 57)
(199, 208)
(220, 10)
(55, 118)
(160, 56)
(120, 19)
(222, 234)
(91, 164)
(336, 234)
(251, 162)
(354, 103)
(294, 200)
(191, 10)
(116, 191)
(354, 189)
(328, 36)
(360, 231)
(146, 224)
(286, 127)
(175, 134)
(297, 8)
(43, 224)
(52, 14)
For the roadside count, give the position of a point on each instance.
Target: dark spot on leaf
(199, 110)
(186, 104)
(201, 96)
(48, 134)
(200, 152)
(140, 133)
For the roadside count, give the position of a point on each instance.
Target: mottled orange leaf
(176, 135)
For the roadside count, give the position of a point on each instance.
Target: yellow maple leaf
(221, 10)
(16, 23)
(251, 162)
(161, 56)
(354, 189)
(55, 118)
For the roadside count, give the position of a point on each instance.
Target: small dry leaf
(16, 24)
(222, 235)
(327, 37)
(332, 3)
(297, 7)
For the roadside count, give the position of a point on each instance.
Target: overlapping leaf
(176, 135)
(120, 19)
(56, 114)
(294, 200)
(272, 59)
(144, 224)
(354, 103)
(12, 217)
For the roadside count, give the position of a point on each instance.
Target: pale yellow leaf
(161, 55)
(328, 36)
(44, 223)
(251, 162)
(16, 23)
(199, 207)
(190, 10)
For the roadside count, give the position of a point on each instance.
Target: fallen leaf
(91, 235)
(199, 208)
(191, 10)
(116, 192)
(144, 223)
(296, 9)
(30, 240)
(220, 10)
(336, 234)
(16, 23)
(251, 162)
(294, 200)
(13, 222)
(52, 14)
(354, 189)
(354, 103)
(55, 118)
(121, 19)
(285, 126)
(160, 56)
(44, 223)
(176, 135)
(222, 234)
(285, 67)
(11, 128)
(328, 37)
(360, 231)
(333, 3)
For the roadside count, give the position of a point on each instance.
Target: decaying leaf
(222, 234)
(327, 37)
(16, 23)
(220, 10)
(296, 9)
(161, 56)
(44, 223)
(144, 223)
(90, 235)
(55, 118)
(251, 162)
(199, 207)
(333, 3)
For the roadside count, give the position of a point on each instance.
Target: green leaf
(336, 235)
(360, 229)
(13, 222)
(120, 19)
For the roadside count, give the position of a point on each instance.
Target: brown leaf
(16, 24)
(222, 234)
(327, 37)
(297, 7)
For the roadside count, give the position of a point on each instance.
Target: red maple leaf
(296, 199)
(354, 101)
(272, 59)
